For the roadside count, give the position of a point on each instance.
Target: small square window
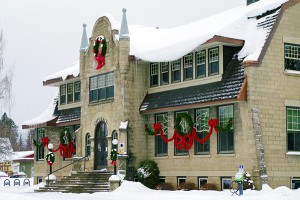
(180, 180)
(202, 181)
(295, 183)
(226, 183)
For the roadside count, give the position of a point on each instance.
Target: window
(62, 94)
(40, 150)
(226, 183)
(77, 91)
(153, 74)
(176, 74)
(162, 179)
(70, 92)
(202, 116)
(164, 73)
(87, 145)
(161, 147)
(181, 152)
(201, 64)
(295, 183)
(180, 180)
(213, 61)
(292, 57)
(201, 182)
(225, 138)
(39, 179)
(293, 129)
(102, 87)
(188, 66)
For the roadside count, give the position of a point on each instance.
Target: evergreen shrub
(148, 173)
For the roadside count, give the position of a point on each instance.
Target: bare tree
(6, 75)
(5, 149)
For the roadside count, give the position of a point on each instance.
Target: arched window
(87, 145)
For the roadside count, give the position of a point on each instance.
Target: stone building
(239, 68)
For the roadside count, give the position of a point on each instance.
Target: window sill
(291, 72)
(161, 157)
(181, 156)
(101, 102)
(201, 156)
(225, 155)
(293, 153)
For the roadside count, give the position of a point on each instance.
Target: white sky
(136, 191)
(43, 37)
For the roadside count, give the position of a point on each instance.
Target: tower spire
(124, 32)
(84, 39)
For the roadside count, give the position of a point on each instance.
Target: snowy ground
(136, 191)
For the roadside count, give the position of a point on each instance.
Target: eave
(41, 125)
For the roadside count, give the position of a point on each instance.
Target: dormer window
(70, 92)
(164, 73)
(77, 91)
(213, 64)
(201, 64)
(188, 66)
(62, 94)
(175, 66)
(154, 74)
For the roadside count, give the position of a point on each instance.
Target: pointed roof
(124, 32)
(84, 40)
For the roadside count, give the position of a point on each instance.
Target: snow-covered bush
(248, 182)
(148, 173)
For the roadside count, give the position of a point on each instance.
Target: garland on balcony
(99, 49)
(184, 132)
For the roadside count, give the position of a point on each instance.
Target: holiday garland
(66, 147)
(185, 139)
(100, 49)
(44, 142)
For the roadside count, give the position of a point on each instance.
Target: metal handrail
(48, 182)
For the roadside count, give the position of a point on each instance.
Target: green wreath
(65, 137)
(113, 155)
(97, 44)
(149, 131)
(227, 126)
(50, 158)
(178, 125)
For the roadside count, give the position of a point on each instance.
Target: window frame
(87, 145)
(164, 73)
(77, 88)
(70, 93)
(101, 87)
(199, 181)
(179, 178)
(298, 182)
(188, 66)
(199, 63)
(212, 62)
(201, 134)
(154, 79)
(176, 70)
(225, 178)
(40, 151)
(181, 152)
(231, 132)
(291, 130)
(293, 59)
(63, 94)
(159, 142)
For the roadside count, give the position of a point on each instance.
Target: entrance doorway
(101, 146)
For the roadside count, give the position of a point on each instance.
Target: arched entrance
(100, 160)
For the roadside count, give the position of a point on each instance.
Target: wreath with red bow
(100, 49)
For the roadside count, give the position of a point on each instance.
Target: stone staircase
(80, 182)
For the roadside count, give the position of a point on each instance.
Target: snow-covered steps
(80, 182)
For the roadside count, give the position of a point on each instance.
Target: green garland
(149, 131)
(97, 44)
(63, 134)
(178, 120)
(227, 126)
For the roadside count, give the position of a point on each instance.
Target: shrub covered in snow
(248, 182)
(148, 173)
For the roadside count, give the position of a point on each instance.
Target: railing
(77, 160)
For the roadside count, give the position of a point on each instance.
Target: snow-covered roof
(45, 117)
(158, 45)
(22, 155)
(73, 70)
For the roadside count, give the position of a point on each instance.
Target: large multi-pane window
(77, 91)
(87, 145)
(102, 87)
(188, 66)
(293, 129)
(153, 74)
(161, 147)
(225, 137)
(201, 64)
(164, 73)
(40, 149)
(201, 118)
(292, 57)
(176, 72)
(62, 94)
(213, 65)
(180, 152)
(70, 92)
